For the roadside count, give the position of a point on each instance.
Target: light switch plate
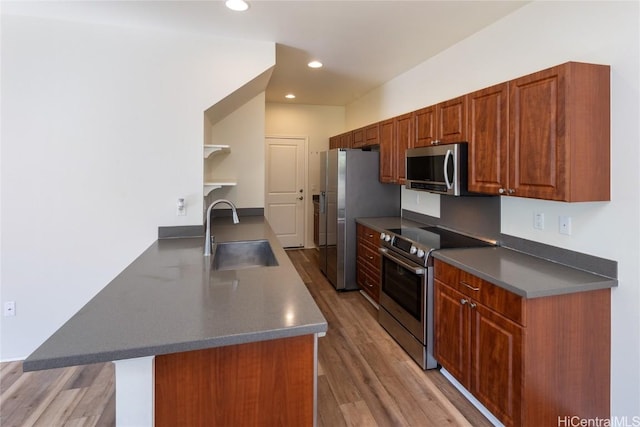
(565, 225)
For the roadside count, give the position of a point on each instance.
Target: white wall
(537, 36)
(317, 123)
(102, 131)
(243, 131)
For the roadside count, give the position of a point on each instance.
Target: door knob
(300, 198)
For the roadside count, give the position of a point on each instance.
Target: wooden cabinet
(368, 261)
(371, 135)
(488, 139)
(403, 126)
(442, 123)
(344, 140)
(387, 152)
(263, 383)
(365, 136)
(482, 350)
(543, 136)
(528, 361)
(559, 127)
(395, 137)
(357, 138)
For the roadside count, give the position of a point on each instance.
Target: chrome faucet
(207, 242)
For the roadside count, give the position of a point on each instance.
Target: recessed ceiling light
(237, 5)
(314, 64)
(290, 96)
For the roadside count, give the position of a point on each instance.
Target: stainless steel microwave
(438, 169)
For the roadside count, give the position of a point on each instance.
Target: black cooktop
(437, 238)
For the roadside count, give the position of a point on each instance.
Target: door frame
(308, 205)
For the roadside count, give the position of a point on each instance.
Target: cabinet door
(452, 332)
(538, 148)
(403, 140)
(496, 363)
(488, 139)
(387, 152)
(357, 137)
(371, 135)
(451, 117)
(334, 142)
(424, 121)
(346, 140)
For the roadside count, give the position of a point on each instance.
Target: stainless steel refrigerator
(349, 189)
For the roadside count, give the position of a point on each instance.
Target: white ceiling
(361, 43)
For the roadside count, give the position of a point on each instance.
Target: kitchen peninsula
(192, 337)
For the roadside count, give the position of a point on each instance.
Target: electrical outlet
(181, 207)
(564, 223)
(538, 220)
(9, 308)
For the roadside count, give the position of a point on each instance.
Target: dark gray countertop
(523, 274)
(169, 300)
(384, 223)
(520, 273)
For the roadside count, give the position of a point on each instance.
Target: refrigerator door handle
(322, 203)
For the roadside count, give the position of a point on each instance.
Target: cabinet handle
(463, 301)
(472, 304)
(501, 190)
(370, 257)
(511, 191)
(473, 288)
(370, 236)
(435, 142)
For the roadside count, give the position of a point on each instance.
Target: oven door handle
(418, 271)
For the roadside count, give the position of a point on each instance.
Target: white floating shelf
(210, 149)
(210, 186)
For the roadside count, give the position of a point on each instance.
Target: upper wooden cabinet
(387, 152)
(357, 138)
(395, 137)
(442, 123)
(365, 136)
(559, 134)
(371, 135)
(488, 139)
(344, 140)
(543, 136)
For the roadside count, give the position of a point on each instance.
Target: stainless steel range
(406, 300)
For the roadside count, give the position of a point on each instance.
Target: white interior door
(285, 189)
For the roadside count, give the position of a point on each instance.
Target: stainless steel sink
(240, 255)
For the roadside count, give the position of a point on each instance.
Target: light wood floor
(365, 378)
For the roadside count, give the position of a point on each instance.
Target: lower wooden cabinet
(368, 262)
(269, 383)
(530, 362)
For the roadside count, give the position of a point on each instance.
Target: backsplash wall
(475, 216)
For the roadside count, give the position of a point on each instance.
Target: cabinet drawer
(369, 256)
(369, 235)
(368, 279)
(506, 303)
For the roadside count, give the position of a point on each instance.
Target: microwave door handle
(446, 175)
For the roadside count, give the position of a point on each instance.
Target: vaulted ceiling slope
(361, 43)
